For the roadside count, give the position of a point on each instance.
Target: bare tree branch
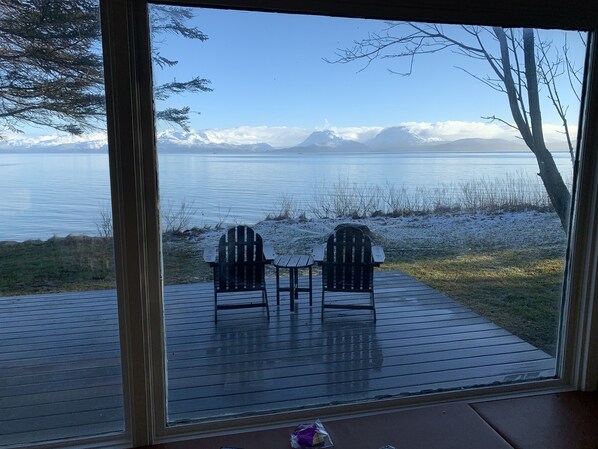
(494, 118)
(515, 72)
(550, 69)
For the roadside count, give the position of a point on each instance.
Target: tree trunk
(533, 135)
(555, 186)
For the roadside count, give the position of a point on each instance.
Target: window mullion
(581, 319)
(133, 182)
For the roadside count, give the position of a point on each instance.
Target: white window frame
(136, 218)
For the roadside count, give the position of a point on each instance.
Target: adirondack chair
(348, 260)
(239, 266)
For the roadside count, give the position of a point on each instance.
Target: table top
(293, 261)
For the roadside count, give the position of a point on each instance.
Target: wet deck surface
(60, 359)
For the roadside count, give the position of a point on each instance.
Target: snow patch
(508, 230)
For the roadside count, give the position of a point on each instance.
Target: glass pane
(403, 131)
(60, 370)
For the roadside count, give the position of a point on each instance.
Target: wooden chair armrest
(318, 253)
(378, 255)
(209, 255)
(269, 253)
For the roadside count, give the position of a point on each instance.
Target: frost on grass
(413, 235)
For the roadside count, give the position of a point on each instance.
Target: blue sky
(268, 70)
(272, 84)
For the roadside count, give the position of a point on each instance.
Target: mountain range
(397, 139)
(392, 139)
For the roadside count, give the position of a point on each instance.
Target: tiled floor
(551, 421)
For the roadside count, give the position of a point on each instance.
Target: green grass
(57, 264)
(518, 290)
(85, 263)
(183, 261)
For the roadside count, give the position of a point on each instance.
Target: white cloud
(277, 136)
(554, 134)
(360, 134)
(453, 130)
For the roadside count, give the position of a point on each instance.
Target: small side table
(293, 263)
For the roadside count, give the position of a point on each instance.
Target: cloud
(360, 134)
(277, 136)
(453, 130)
(554, 134)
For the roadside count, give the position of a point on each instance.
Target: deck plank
(60, 373)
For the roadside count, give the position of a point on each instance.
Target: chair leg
(373, 303)
(215, 305)
(310, 288)
(292, 289)
(215, 294)
(322, 317)
(265, 299)
(277, 287)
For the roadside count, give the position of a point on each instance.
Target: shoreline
(496, 229)
(444, 233)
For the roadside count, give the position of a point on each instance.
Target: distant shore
(428, 149)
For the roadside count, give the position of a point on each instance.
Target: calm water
(60, 194)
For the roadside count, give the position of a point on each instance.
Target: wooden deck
(60, 365)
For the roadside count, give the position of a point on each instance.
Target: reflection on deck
(60, 360)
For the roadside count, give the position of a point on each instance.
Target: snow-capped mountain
(328, 139)
(324, 138)
(93, 142)
(183, 137)
(172, 141)
(394, 137)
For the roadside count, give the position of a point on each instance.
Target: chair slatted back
(240, 260)
(348, 265)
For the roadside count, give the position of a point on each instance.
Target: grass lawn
(85, 263)
(519, 290)
(55, 265)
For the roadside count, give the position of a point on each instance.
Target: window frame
(133, 163)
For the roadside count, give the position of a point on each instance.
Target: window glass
(450, 148)
(60, 369)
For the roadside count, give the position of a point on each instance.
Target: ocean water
(59, 194)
